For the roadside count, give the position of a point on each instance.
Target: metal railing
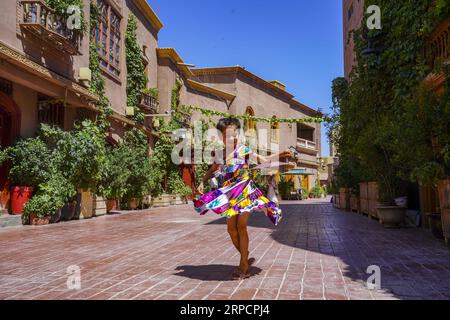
(48, 24)
(306, 143)
(439, 43)
(149, 103)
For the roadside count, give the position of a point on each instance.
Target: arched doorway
(9, 131)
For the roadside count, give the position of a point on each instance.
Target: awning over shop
(297, 172)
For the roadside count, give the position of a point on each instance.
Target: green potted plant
(389, 188)
(45, 206)
(83, 155)
(285, 186)
(40, 209)
(177, 188)
(139, 178)
(115, 174)
(30, 162)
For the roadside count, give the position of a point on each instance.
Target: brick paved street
(317, 252)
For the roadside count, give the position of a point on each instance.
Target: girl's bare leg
(233, 231)
(243, 241)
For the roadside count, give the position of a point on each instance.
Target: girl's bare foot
(242, 271)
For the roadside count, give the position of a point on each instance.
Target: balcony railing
(439, 43)
(42, 21)
(149, 104)
(437, 52)
(306, 144)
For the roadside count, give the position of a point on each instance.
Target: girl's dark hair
(226, 122)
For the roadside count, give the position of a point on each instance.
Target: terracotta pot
(133, 203)
(36, 221)
(391, 216)
(111, 204)
(19, 197)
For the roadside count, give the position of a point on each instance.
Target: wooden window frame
(51, 112)
(111, 68)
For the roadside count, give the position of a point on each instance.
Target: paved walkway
(317, 252)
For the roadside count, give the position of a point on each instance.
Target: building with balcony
(45, 78)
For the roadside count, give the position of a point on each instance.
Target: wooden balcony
(306, 145)
(149, 104)
(38, 19)
(438, 53)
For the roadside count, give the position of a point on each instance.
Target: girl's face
(230, 134)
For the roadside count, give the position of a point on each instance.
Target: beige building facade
(44, 78)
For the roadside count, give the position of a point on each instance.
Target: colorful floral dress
(238, 193)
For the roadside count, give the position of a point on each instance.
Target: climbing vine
(97, 81)
(136, 78)
(383, 119)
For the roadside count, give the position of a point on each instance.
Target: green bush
(115, 173)
(81, 153)
(175, 185)
(285, 187)
(31, 162)
(51, 197)
(141, 176)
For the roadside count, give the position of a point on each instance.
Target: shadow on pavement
(413, 264)
(212, 272)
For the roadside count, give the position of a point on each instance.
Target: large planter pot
(86, 204)
(19, 197)
(133, 203)
(68, 211)
(176, 200)
(36, 221)
(435, 222)
(56, 217)
(99, 204)
(391, 216)
(111, 205)
(354, 203)
(372, 192)
(336, 199)
(444, 193)
(344, 199)
(445, 216)
(444, 203)
(161, 201)
(364, 198)
(147, 201)
(4, 199)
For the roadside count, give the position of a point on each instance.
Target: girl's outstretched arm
(208, 175)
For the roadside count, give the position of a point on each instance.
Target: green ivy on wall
(384, 118)
(97, 85)
(136, 78)
(212, 113)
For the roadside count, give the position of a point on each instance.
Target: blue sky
(298, 42)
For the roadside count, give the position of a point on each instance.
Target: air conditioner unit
(85, 76)
(129, 111)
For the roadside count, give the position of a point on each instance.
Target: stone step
(9, 220)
